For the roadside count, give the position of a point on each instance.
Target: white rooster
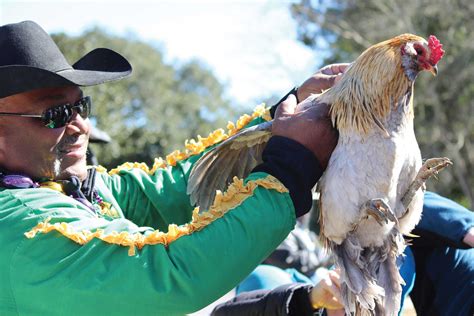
(372, 189)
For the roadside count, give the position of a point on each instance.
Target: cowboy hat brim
(98, 66)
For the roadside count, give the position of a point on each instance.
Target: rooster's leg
(430, 168)
(379, 210)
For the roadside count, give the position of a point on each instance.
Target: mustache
(65, 142)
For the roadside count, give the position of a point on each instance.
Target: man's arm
(159, 208)
(53, 273)
(90, 264)
(321, 80)
(156, 195)
(444, 223)
(295, 299)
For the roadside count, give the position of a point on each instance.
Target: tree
(444, 107)
(155, 110)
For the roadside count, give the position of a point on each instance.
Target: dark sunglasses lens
(83, 107)
(61, 115)
(58, 116)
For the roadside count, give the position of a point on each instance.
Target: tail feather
(389, 276)
(390, 280)
(371, 283)
(359, 288)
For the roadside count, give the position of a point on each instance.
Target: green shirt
(131, 260)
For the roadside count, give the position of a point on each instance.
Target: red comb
(436, 48)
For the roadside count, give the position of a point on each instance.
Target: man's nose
(78, 124)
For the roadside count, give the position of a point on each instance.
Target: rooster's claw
(380, 211)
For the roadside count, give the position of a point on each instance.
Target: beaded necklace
(82, 192)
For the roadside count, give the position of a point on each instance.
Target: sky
(250, 46)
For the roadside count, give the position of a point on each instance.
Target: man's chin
(64, 172)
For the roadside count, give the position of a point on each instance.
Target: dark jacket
(285, 300)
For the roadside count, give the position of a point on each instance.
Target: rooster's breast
(360, 170)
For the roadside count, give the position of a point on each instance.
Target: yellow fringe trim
(107, 209)
(52, 185)
(195, 147)
(236, 193)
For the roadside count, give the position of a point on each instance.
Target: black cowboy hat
(29, 59)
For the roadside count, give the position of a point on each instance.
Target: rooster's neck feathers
(370, 88)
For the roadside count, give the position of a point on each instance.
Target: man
(80, 241)
(444, 257)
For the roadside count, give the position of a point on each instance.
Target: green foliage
(155, 110)
(444, 106)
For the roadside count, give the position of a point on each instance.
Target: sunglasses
(60, 115)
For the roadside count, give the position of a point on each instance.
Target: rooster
(372, 190)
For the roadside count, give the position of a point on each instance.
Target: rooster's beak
(434, 70)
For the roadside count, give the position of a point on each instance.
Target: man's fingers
(313, 111)
(469, 238)
(302, 106)
(333, 290)
(338, 77)
(331, 80)
(335, 278)
(341, 68)
(287, 107)
(335, 69)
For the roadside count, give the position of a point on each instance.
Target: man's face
(28, 147)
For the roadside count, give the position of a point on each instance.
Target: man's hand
(327, 293)
(311, 127)
(322, 80)
(469, 238)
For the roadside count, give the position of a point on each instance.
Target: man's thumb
(287, 107)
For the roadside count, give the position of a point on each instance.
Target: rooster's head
(418, 55)
(379, 79)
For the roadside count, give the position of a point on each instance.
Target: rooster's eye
(419, 50)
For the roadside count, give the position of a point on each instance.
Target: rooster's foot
(380, 211)
(430, 168)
